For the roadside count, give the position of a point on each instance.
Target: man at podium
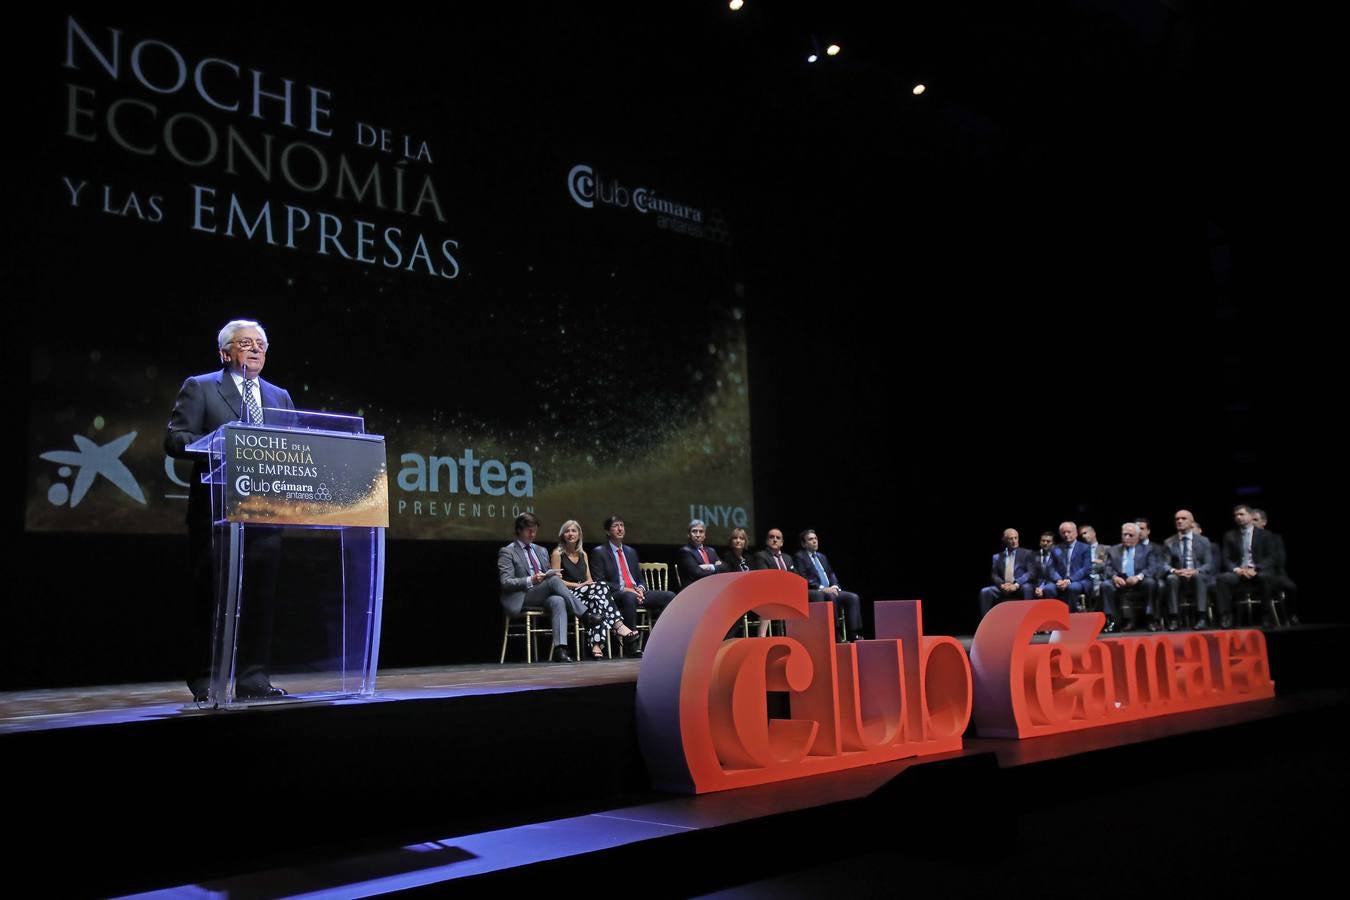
(235, 392)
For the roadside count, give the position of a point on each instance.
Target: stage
(475, 777)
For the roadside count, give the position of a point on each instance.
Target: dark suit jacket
(1147, 561)
(1277, 554)
(764, 560)
(1024, 567)
(603, 567)
(1078, 568)
(1202, 554)
(1263, 550)
(689, 562)
(808, 571)
(206, 402)
(1044, 572)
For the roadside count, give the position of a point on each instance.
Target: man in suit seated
(1248, 562)
(1071, 568)
(1159, 553)
(1011, 574)
(773, 557)
(1043, 580)
(617, 564)
(1088, 535)
(527, 582)
(1280, 582)
(1190, 566)
(696, 561)
(1129, 575)
(823, 584)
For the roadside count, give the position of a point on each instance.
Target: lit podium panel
(299, 509)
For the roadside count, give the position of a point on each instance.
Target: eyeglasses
(250, 343)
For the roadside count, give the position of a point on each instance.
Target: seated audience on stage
(773, 557)
(1070, 568)
(1092, 599)
(738, 551)
(1142, 582)
(1128, 582)
(1044, 578)
(570, 559)
(1011, 575)
(616, 564)
(738, 556)
(1248, 561)
(527, 582)
(1159, 554)
(823, 583)
(1190, 566)
(695, 560)
(1281, 585)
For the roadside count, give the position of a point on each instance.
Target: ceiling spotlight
(812, 58)
(919, 89)
(832, 50)
(736, 4)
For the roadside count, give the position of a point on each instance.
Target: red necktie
(628, 582)
(703, 553)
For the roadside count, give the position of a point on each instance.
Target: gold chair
(527, 626)
(656, 576)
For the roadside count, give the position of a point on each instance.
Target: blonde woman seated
(571, 559)
(738, 559)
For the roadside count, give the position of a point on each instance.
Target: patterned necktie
(251, 402)
(1186, 553)
(1008, 570)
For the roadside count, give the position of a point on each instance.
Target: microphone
(243, 395)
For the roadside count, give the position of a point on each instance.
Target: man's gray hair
(227, 333)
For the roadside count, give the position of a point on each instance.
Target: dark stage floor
(482, 779)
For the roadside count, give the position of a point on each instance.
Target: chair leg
(1274, 611)
(506, 633)
(531, 648)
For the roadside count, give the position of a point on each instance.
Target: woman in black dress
(738, 560)
(570, 559)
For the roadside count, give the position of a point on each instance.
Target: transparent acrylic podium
(299, 508)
